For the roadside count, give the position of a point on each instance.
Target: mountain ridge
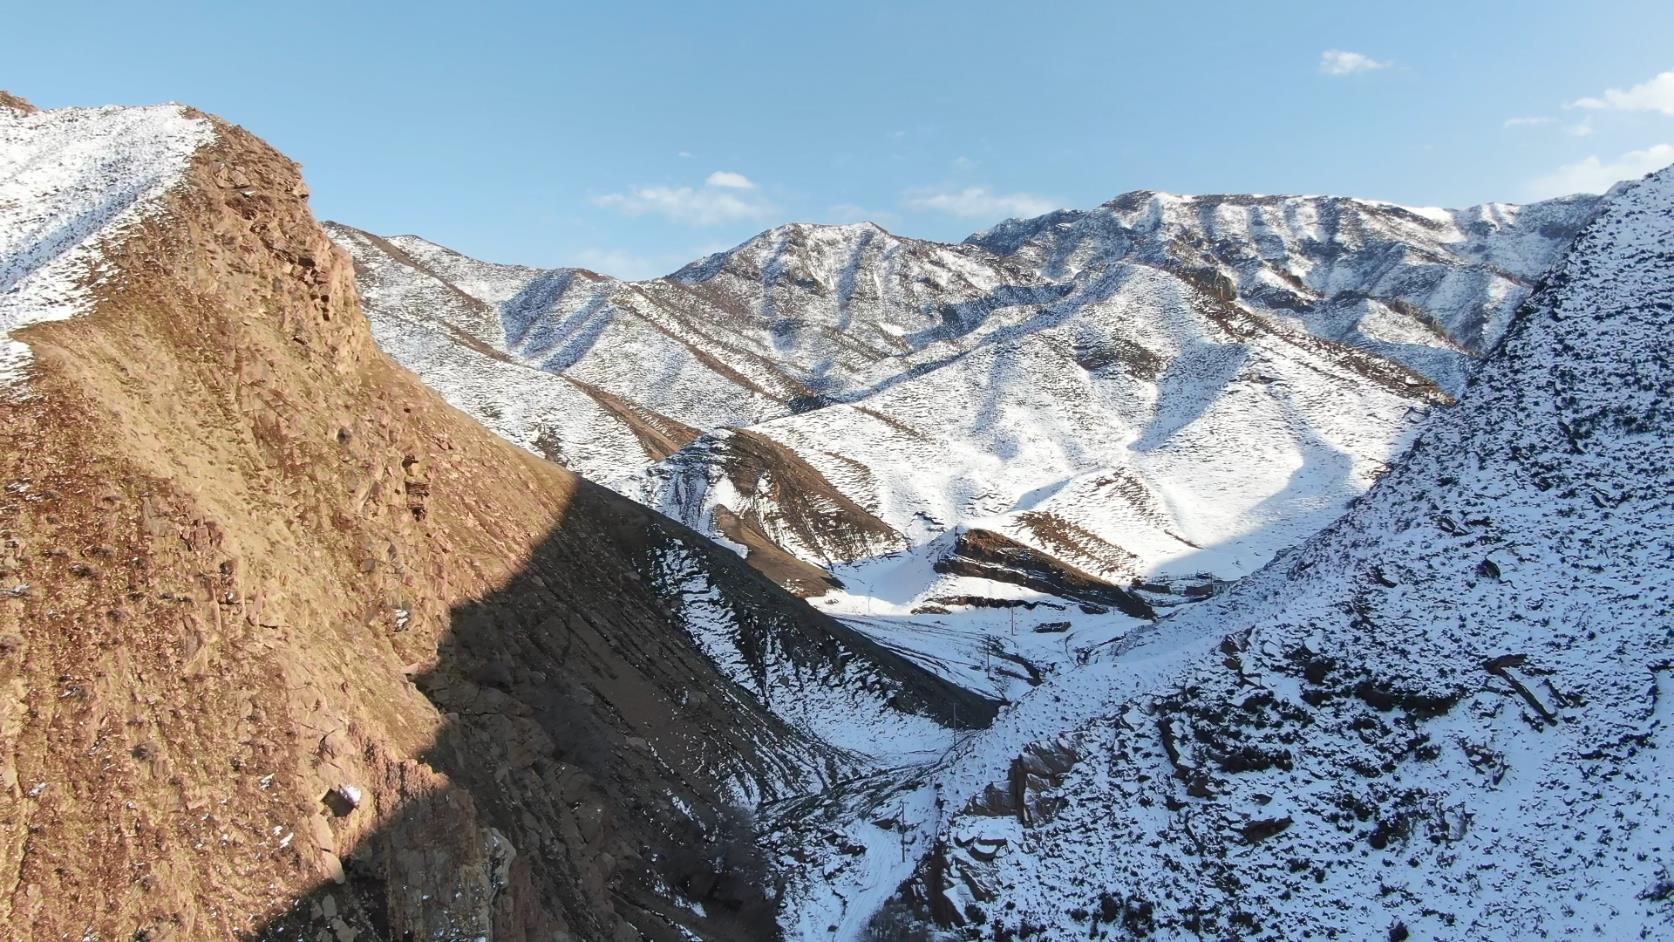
(289, 646)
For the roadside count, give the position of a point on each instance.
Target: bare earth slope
(277, 624)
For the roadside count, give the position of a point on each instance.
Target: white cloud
(1342, 62)
(1593, 175)
(684, 155)
(979, 202)
(724, 197)
(963, 163)
(726, 179)
(1582, 128)
(1654, 95)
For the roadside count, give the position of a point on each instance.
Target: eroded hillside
(289, 646)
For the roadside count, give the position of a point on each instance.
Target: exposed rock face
(279, 625)
(986, 555)
(758, 493)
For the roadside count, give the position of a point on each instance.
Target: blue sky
(631, 137)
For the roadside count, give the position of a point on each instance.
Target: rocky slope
(1159, 393)
(289, 647)
(1442, 717)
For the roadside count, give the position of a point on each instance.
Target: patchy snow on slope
(71, 181)
(1135, 427)
(850, 710)
(1165, 391)
(1457, 274)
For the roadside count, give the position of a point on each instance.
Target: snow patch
(71, 182)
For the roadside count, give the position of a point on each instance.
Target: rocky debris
(1038, 771)
(1260, 829)
(342, 799)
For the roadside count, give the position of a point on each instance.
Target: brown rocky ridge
(289, 648)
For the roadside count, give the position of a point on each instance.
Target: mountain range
(1148, 399)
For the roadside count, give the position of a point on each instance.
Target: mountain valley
(1227, 567)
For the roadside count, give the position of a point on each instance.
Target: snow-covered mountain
(1442, 717)
(71, 182)
(1158, 394)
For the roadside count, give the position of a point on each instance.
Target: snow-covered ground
(1001, 650)
(1442, 717)
(71, 181)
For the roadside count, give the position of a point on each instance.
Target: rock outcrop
(983, 554)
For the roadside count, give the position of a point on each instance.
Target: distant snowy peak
(1419, 285)
(71, 181)
(842, 308)
(843, 260)
(843, 240)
